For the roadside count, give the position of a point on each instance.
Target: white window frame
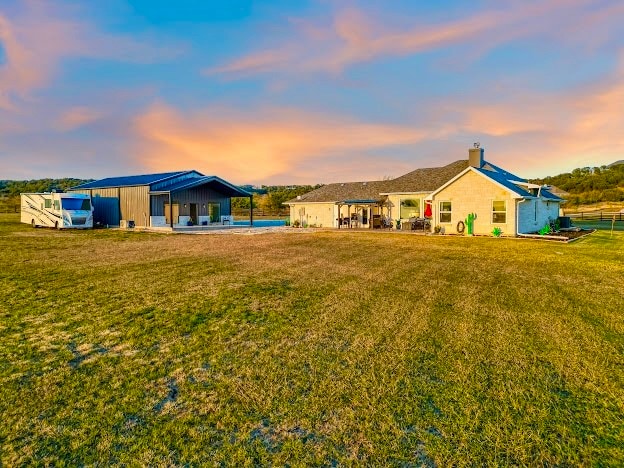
(401, 206)
(449, 212)
(499, 212)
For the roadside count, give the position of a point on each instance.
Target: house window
(410, 208)
(214, 211)
(535, 210)
(499, 212)
(445, 212)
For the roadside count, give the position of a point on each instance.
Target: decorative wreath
(461, 227)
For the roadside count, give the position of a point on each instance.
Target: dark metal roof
(129, 181)
(215, 182)
(507, 180)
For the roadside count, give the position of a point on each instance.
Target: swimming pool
(262, 222)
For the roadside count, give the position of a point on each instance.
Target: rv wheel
(32, 223)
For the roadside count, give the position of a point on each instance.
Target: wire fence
(598, 215)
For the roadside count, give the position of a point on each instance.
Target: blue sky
(307, 92)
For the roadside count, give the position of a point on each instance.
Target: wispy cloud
(273, 143)
(77, 117)
(41, 35)
(354, 37)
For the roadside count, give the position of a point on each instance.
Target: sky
(306, 92)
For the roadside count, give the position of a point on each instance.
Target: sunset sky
(290, 92)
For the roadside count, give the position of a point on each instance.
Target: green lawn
(327, 348)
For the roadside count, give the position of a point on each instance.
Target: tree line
(589, 185)
(271, 198)
(585, 185)
(10, 189)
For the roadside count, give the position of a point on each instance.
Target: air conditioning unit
(126, 224)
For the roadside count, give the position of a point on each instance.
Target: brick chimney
(475, 156)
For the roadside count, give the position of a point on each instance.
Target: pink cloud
(40, 36)
(353, 37)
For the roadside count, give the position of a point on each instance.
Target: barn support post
(170, 212)
(339, 216)
(251, 210)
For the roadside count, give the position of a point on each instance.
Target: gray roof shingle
(427, 179)
(420, 180)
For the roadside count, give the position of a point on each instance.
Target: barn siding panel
(135, 204)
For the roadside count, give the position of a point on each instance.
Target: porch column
(349, 215)
(170, 212)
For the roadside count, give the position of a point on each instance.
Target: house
(160, 200)
(498, 198)
(363, 204)
(444, 195)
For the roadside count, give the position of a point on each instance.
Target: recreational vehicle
(58, 210)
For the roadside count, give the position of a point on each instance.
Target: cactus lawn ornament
(545, 230)
(470, 223)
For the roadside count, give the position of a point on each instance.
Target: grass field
(323, 348)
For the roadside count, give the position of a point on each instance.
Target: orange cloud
(256, 148)
(551, 132)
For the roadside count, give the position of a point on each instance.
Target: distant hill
(588, 185)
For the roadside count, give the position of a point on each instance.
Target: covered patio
(195, 202)
(363, 213)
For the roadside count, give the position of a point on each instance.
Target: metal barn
(162, 200)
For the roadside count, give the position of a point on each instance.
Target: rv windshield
(76, 204)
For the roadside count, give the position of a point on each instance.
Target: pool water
(262, 223)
